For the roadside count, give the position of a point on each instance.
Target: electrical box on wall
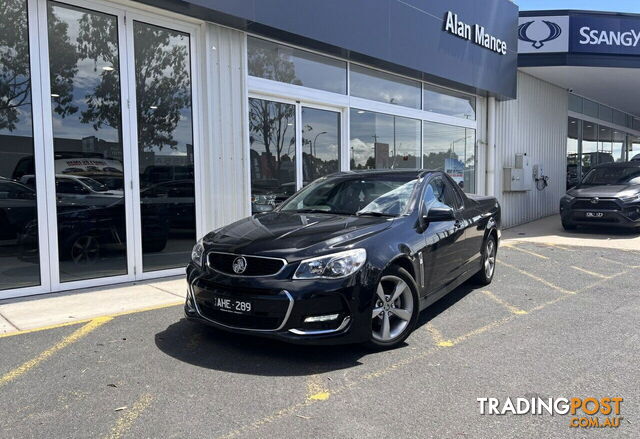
(518, 177)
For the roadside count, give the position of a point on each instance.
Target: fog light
(326, 318)
(191, 309)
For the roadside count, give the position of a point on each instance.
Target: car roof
(383, 172)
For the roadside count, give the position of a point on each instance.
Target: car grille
(268, 314)
(585, 203)
(255, 265)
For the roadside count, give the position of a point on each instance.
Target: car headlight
(197, 253)
(630, 198)
(333, 266)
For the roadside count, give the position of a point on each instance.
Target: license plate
(594, 214)
(228, 304)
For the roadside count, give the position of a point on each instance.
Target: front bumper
(609, 212)
(280, 307)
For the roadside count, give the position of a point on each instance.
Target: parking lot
(558, 321)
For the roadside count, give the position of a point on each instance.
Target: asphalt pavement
(558, 321)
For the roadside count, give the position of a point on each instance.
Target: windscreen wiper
(374, 214)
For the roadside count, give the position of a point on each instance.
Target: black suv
(609, 195)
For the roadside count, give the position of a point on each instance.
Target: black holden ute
(609, 195)
(353, 257)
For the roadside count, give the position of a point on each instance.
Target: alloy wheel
(393, 309)
(490, 258)
(85, 250)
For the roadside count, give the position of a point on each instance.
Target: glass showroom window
(449, 102)
(634, 147)
(451, 149)
(19, 259)
(618, 145)
(272, 135)
(383, 141)
(589, 146)
(320, 143)
(384, 87)
(281, 63)
(87, 143)
(573, 170)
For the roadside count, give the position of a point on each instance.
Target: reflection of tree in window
(269, 124)
(265, 62)
(15, 80)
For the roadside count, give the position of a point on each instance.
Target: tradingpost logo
(582, 412)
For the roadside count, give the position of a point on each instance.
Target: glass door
(163, 135)
(85, 152)
(291, 145)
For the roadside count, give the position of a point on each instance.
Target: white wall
(536, 124)
(224, 168)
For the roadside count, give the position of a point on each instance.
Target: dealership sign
(579, 33)
(474, 33)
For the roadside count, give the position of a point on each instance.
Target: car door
(469, 218)
(443, 240)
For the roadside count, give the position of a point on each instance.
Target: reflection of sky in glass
(368, 128)
(384, 87)
(320, 133)
(87, 78)
(441, 142)
(451, 103)
(308, 69)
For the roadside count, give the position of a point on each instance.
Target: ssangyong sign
(602, 34)
(579, 33)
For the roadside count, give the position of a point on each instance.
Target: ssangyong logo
(239, 265)
(554, 32)
(595, 200)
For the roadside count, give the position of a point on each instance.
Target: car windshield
(609, 175)
(94, 185)
(361, 195)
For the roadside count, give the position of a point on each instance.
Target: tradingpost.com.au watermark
(582, 412)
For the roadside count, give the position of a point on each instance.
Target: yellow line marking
(255, 425)
(610, 260)
(124, 422)
(539, 279)
(75, 336)
(591, 273)
(316, 390)
(437, 336)
(514, 247)
(79, 322)
(512, 309)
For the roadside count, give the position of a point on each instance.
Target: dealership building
(128, 129)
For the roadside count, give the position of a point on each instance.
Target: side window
(435, 193)
(451, 197)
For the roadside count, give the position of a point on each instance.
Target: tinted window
(384, 87)
(612, 175)
(285, 64)
(19, 255)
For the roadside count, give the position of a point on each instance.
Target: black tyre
(489, 254)
(395, 309)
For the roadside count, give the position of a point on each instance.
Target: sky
(589, 5)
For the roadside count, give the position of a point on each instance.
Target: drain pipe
(490, 179)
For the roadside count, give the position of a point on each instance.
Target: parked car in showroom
(353, 257)
(609, 195)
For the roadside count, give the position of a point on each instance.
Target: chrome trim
(206, 256)
(343, 325)
(279, 328)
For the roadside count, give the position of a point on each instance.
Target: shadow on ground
(207, 347)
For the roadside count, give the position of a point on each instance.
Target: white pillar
(491, 148)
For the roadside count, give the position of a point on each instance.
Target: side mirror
(439, 213)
